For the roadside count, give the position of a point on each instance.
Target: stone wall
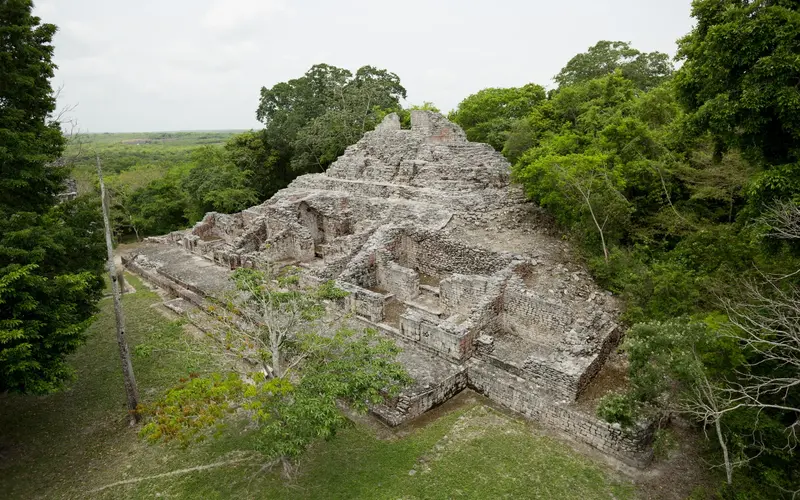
(293, 242)
(253, 237)
(217, 225)
(434, 255)
(525, 313)
(444, 338)
(409, 406)
(460, 293)
(630, 446)
(166, 282)
(363, 302)
(313, 222)
(433, 127)
(400, 281)
(611, 338)
(435, 200)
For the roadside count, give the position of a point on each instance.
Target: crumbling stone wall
(216, 225)
(630, 446)
(433, 255)
(400, 281)
(445, 338)
(407, 407)
(364, 302)
(526, 314)
(461, 294)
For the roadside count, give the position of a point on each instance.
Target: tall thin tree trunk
(725, 457)
(131, 389)
(599, 228)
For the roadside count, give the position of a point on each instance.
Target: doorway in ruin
(314, 221)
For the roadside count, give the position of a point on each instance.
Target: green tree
(580, 190)
(680, 364)
(645, 69)
(739, 77)
(739, 83)
(287, 107)
(49, 262)
(251, 152)
(315, 117)
(306, 365)
(161, 206)
(599, 146)
(120, 188)
(489, 115)
(216, 184)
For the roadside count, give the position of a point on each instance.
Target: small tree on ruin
(295, 366)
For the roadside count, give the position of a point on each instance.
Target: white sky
(158, 65)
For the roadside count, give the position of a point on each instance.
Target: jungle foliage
(681, 187)
(51, 256)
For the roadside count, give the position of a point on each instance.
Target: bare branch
(783, 219)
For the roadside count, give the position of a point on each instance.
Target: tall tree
(740, 76)
(216, 184)
(251, 152)
(315, 117)
(50, 260)
(645, 69)
(488, 115)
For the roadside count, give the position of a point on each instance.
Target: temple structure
(442, 254)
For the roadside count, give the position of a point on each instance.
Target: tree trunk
(288, 468)
(277, 365)
(725, 457)
(121, 281)
(599, 228)
(131, 389)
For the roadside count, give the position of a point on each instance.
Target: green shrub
(617, 408)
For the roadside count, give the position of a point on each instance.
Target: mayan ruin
(425, 231)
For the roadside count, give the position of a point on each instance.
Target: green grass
(68, 445)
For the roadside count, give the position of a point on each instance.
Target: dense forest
(677, 179)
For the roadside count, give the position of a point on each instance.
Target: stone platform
(440, 253)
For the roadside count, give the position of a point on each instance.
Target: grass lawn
(77, 444)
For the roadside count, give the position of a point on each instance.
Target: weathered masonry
(440, 253)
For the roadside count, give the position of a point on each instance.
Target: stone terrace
(414, 223)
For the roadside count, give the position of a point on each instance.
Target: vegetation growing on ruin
(72, 444)
(301, 367)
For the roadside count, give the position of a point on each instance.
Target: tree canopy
(315, 117)
(50, 256)
(645, 69)
(488, 115)
(739, 83)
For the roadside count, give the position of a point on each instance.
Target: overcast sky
(159, 65)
